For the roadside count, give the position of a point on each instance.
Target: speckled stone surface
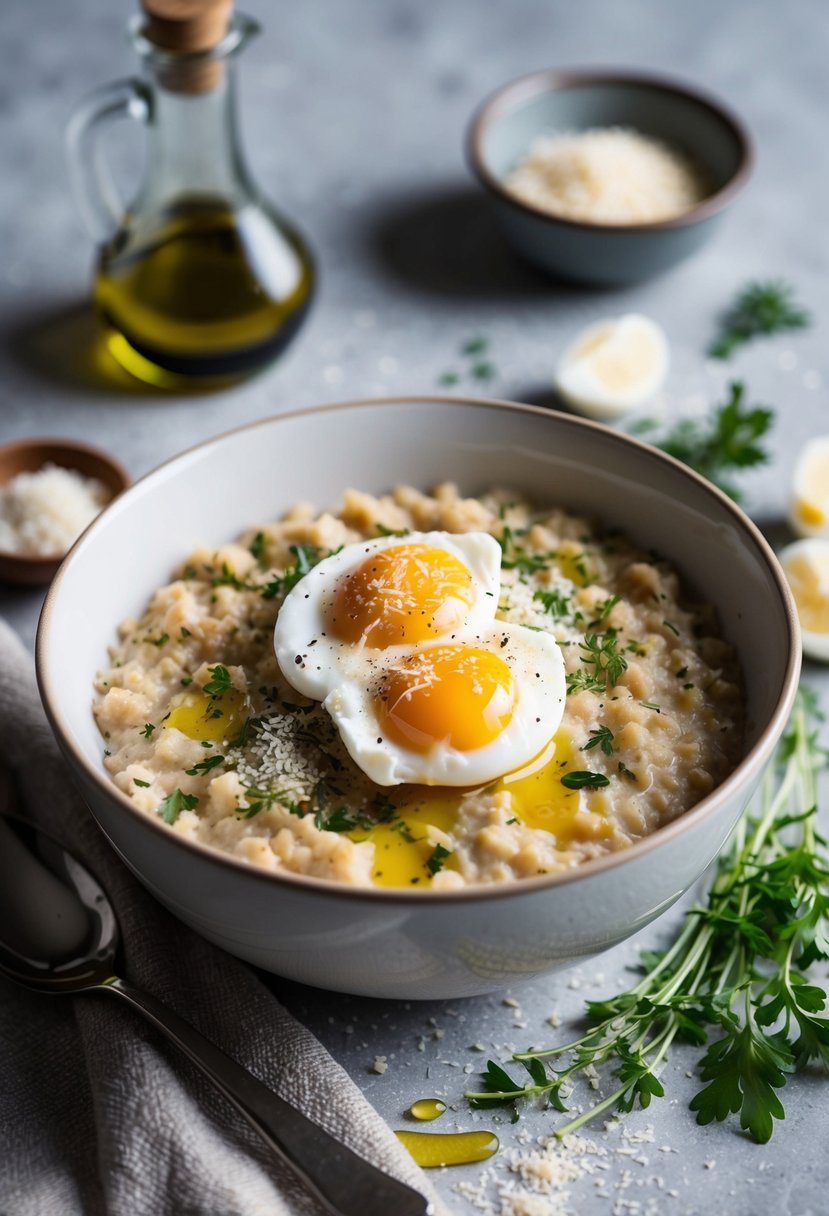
(353, 113)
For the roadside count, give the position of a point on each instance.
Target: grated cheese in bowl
(43, 513)
(607, 175)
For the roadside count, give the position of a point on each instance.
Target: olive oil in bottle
(200, 280)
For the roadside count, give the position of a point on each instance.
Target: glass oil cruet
(199, 279)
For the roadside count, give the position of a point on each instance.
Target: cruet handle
(94, 187)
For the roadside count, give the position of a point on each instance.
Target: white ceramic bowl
(379, 942)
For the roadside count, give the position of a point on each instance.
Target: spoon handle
(344, 1183)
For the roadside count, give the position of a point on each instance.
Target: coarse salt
(44, 512)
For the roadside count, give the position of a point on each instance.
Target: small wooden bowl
(29, 455)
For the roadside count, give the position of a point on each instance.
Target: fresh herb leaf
(601, 737)
(204, 766)
(727, 442)
(475, 346)
(624, 771)
(172, 806)
(555, 602)
(162, 640)
(601, 652)
(144, 785)
(605, 607)
(583, 681)
(761, 309)
(147, 730)
(382, 530)
(257, 546)
(434, 864)
(305, 558)
(583, 780)
(733, 981)
(219, 682)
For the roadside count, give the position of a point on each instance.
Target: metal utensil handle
(343, 1182)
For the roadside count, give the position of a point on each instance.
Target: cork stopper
(188, 27)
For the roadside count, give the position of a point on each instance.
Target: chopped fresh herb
(673, 628)
(605, 607)
(257, 546)
(172, 806)
(145, 785)
(601, 737)
(227, 578)
(147, 730)
(219, 682)
(162, 640)
(305, 557)
(555, 602)
(189, 572)
(651, 705)
(761, 309)
(484, 370)
(514, 557)
(735, 980)
(448, 379)
(244, 734)
(204, 766)
(687, 686)
(624, 771)
(382, 530)
(434, 863)
(728, 441)
(475, 346)
(583, 681)
(682, 673)
(513, 820)
(339, 821)
(186, 681)
(185, 633)
(600, 651)
(584, 781)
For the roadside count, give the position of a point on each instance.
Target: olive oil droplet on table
(431, 1149)
(427, 1109)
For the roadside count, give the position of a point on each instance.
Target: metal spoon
(58, 934)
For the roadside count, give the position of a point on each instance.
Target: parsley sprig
(761, 309)
(734, 980)
(727, 442)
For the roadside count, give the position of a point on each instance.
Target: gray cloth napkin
(98, 1114)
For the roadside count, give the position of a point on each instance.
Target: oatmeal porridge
(204, 729)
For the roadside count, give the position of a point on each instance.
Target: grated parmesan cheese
(43, 513)
(607, 175)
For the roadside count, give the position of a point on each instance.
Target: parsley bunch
(735, 979)
(761, 309)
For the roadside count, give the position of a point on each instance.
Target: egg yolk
(406, 593)
(459, 696)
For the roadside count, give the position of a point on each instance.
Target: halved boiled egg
(614, 366)
(809, 507)
(398, 639)
(806, 566)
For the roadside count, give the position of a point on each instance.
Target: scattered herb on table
(735, 979)
(727, 442)
(476, 367)
(172, 806)
(760, 310)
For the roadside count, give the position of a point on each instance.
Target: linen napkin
(99, 1115)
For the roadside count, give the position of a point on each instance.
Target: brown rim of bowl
(553, 80)
(706, 807)
(33, 561)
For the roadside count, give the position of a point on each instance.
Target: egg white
(537, 665)
(314, 663)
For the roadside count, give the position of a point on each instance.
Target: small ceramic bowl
(402, 943)
(29, 455)
(509, 122)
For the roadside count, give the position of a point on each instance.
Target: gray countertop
(353, 113)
